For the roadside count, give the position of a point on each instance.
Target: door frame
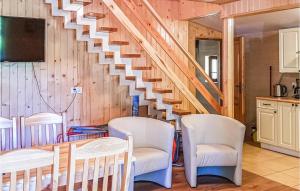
(242, 63)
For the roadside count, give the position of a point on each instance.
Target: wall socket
(76, 90)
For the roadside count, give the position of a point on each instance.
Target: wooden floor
(251, 182)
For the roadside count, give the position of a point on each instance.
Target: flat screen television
(22, 39)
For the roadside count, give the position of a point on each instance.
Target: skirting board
(280, 150)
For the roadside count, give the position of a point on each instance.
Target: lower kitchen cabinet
(287, 125)
(278, 126)
(267, 122)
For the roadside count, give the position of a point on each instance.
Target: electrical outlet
(76, 90)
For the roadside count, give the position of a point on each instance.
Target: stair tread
(122, 67)
(177, 111)
(84, 2)
(107, 29)
(171, 101)
(152, 79)
(94, 15)
(162, 90)
(120, 43)
(126, 55)
(144, 79)
(101, 29)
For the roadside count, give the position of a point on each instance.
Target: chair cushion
(149, 160)
(216, 155)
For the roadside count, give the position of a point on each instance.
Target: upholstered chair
(152, 147)
(212, 145)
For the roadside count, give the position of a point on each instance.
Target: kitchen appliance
(297, 89)
(280, 90)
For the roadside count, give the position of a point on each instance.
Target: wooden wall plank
(250, 7)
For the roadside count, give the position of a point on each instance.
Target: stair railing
(191, 76)
(183, 49)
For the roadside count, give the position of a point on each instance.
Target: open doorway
(208, 55)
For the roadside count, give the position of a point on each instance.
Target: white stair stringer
(81, 21)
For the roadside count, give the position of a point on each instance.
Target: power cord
(40, 94)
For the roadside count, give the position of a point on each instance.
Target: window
(212, 67)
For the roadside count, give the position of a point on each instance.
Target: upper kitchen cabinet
(289, 52)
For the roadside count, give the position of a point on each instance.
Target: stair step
(157, 90)
(171, 101)
(144, 79)
(122, 67)
(120, 43)
(152, 79)
(107, 29)
(162, 90)
(111, 55)
(82, 2)
(100, 29)
(92, 15)
(181, 111)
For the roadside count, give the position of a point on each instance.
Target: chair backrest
(146, 132)
(43, 128)
(28, 165)
(105, 154)
(9, 137)
(214, 129)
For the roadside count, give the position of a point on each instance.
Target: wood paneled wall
(248, 7)
(67, 64)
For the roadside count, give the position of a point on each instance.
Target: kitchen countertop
(280, 99)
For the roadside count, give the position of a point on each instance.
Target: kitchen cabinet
(289, 51)
(278, 125)
(287, 125)
(266, 121)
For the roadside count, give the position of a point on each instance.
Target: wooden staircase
(120, 63)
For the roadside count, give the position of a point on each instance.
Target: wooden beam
(253, 7)
(228, 67)
(153, 54)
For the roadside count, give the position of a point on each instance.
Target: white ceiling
(257, 23)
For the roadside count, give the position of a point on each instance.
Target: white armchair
(152, 147)
(212, 145)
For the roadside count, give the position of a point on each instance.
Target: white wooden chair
(103, 156)
(43, 128)
(26, 166)
(9, 137)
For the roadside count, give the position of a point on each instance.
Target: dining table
(64, 149)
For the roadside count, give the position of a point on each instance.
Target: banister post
(228, 67)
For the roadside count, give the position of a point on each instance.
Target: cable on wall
(40, 94)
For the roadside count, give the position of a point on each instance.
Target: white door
(289, 50)
(298, 126)
(286, 125)
(266, 126)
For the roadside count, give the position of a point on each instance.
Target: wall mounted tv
(22, 39)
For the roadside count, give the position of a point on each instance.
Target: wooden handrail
(174, 57)
(114, 8)
(186, 52)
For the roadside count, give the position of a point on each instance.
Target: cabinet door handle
(266, 104)
(275, 111)
(293, 105)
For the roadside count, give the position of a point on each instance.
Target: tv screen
(22, 39)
